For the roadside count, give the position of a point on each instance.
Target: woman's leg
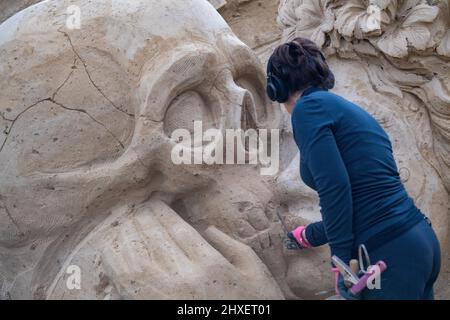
(413, 264)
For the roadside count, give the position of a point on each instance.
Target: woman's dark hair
(300, 64)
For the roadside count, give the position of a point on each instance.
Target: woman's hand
(298, 235)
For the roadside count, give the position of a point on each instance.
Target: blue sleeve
(312, 126)
(316, 234)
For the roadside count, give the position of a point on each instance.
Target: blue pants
(413, 263)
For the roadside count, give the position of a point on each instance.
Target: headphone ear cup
(271, 90)
(276, 89)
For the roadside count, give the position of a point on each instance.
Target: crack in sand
(67, 79)
(89, 75)
(91, 117)
(64, 107)
(52, 100)
(15, 119)
(5, 118)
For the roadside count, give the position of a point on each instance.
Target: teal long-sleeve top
(346, 156)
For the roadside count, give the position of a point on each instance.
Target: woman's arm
(313, 133)
(315, 234)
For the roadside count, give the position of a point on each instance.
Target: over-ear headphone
(276, 89)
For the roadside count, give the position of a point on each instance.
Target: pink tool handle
(362, 283)
(336, 279)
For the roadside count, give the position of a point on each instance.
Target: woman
(346, 156)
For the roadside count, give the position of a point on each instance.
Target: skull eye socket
(184, 110)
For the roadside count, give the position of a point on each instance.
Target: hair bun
(301, 64)
(296, 54)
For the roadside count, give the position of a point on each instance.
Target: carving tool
(351, 280)
(290, 244)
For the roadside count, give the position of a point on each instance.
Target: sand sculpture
(86, 182)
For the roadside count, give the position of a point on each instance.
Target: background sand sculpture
(78, 147)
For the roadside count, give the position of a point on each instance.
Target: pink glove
(298, 234)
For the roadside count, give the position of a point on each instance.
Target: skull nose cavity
(247, 112)
(240, 102)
